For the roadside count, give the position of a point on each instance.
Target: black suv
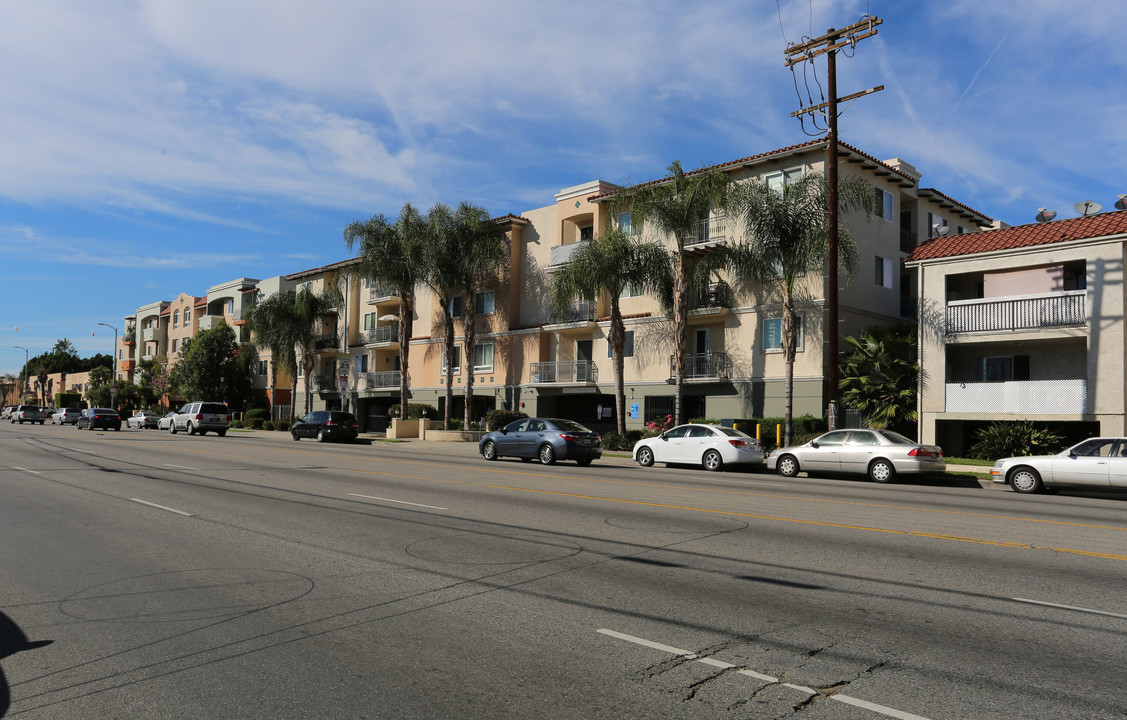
(325, 425)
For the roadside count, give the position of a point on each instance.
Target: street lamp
(24, 372)
(113, 367)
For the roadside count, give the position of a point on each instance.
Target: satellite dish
(1121, 203)
(1044, 215)
(1087, 208)
(938, 230)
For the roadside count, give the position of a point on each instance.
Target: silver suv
(201, 417)
(28, 413)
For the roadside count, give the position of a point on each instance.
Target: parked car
(6, 413)
(326, 425)
(880, 454)
(64, 416)
(143, 419)
(549, 439)
(99, 418)
(1094, 463)
(712, 446)
(165, 423)
(27, 413)
(201, 417)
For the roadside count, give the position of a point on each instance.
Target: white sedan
(63, 416)
(712, 446)
(165, 422)
(880, 454)
(1094, 463)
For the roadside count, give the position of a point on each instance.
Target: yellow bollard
(778, 436)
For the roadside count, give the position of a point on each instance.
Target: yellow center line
(731, 513)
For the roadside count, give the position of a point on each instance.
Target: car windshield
(896, 437)
(732, 432)
(569, 425)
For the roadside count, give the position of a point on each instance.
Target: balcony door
(583, 356)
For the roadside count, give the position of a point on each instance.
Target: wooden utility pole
(829, 44)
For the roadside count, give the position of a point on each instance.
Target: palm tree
(308, 309)
(608, 265)
(465, 251)
(391, 254)
(881, 375)
(788, 238)
(677, 206)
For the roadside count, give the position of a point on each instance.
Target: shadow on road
(12, 641)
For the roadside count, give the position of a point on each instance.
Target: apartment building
(1023, 323)
(526, 357)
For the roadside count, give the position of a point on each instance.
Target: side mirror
(814, 443)
(504, 431)
(663, 437)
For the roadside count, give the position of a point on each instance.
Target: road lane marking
(848, 700)
(26, 470)
(161, 507)
(401, 502)
(181, 467)
(1070, 607)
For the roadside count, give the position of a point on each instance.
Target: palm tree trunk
(679, 329)
(307, 363)
(404, 351)
(617, 337)
(469, 312)
(449, 345)
(788, 358)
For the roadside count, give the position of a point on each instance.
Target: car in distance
(201, 417)
(66, 416)
(547, 439)
(6, 413)
(99, 418)
(165, 423)
(143, 419)
(1093, 463)
(326, 425)
(879, 454)
(27, 413)
(711, 446)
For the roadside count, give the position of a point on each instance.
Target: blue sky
(152, 147)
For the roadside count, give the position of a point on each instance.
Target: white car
(880, 454)
(165, 423)
(712, 446)
(66, 416)
(143, 419)
(1094, 463)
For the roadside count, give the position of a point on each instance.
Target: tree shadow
(12, 641)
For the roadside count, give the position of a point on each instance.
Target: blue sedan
(547, 439)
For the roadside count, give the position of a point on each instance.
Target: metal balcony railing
(381, 380)
(324, 383)
(1025, 312)
(712, 229)
(1025, 397)
(703, 365)
(381, 334)
(909, 239)
(716, 295)
(325, 341)
(378, 292)
(577, 371)
(561, 254)
(583, 311)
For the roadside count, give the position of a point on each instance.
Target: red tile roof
(1093, 226)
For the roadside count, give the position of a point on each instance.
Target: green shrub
(256, 424)
(236, 423)
(268, 425)
(415, 411)
(497, 419)
(706, 421)
(614, 441)
(1011, 439)
(260, 413)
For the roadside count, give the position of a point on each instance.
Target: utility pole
(829, 44)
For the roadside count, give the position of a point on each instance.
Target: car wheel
(191, 430)
(787, 466)
(489, 450)
(882, 471)
(221, 433)
(547, 455)
(172, 427)
(321, 437)
(295, 437)
(713, 461)
(1026, 480)
(584, 462)
(645, 457)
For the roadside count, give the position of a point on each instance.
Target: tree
(677, 206)
(880, 376)
(466, 250)
(209, 366)
(391, 254)
(788, 237)
(65, 347)
(608, 265)
(154, 381)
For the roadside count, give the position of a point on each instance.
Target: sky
(153, 147)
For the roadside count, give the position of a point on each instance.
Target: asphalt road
(144, 575)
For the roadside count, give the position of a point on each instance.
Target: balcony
(324, 384)
(149, 334)
(709, 233)
(716, 299)
(128, 365)
(703, 366)
(381, 293)
(382, 380)
(578, 316)
(561, 254)
(325, 341)
(909, 239)
(1020, 312)
(1023, 397)
(578, 371)
(383, 335)
(207, 322)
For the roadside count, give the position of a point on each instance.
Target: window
(935, 224)
(457, 360)
(773, 333)
(455, 306)
(834, 438)
(370, 321)
(483, 357)
(778, 180)
(120, 354)
(176, 320)
(883, 204)
(229, 307)
(360, 363)
(883, 271)
(483, 303)
(1006, 368)
(627, 345)
(175, 344)
(263, 368)
(305, 287)
(623, 222)
(630, 290)
(187, 316)
(586, 233)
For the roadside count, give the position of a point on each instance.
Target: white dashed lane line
(1070, 607)
(161, 507)
(400, 502)
(855, 702)
(181, 467)
(33, 472)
